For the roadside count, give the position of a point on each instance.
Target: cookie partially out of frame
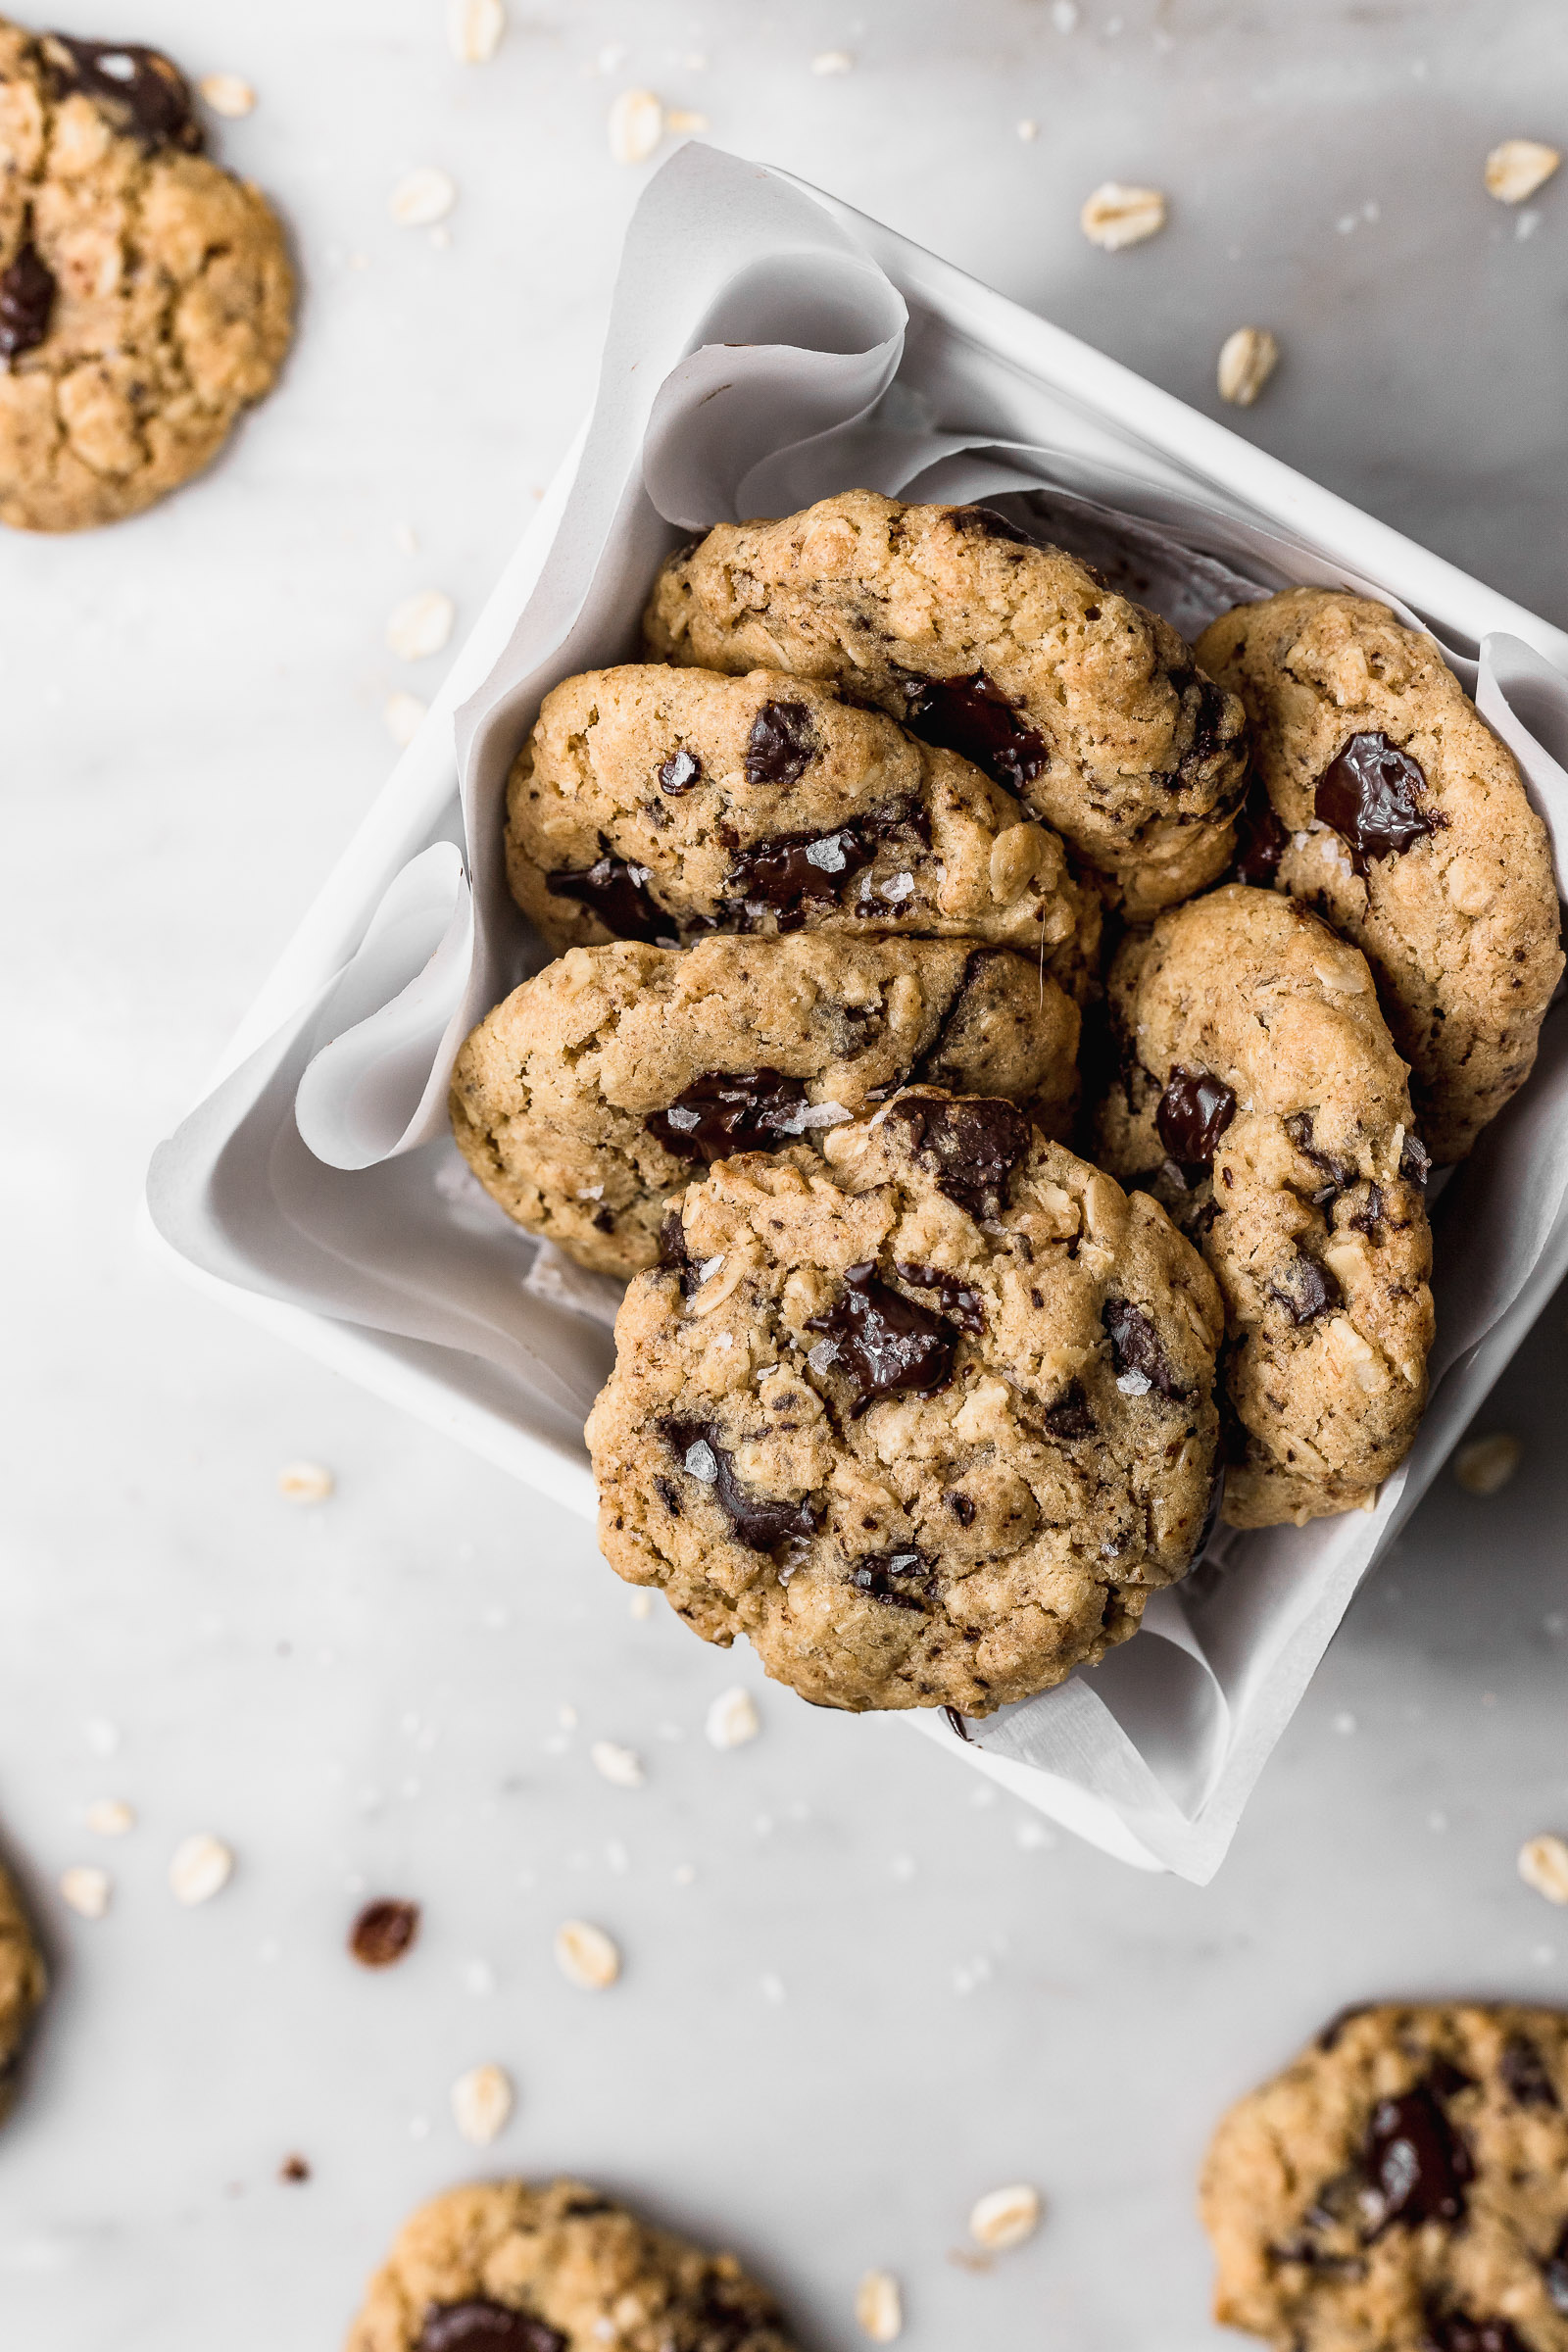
(1090, 708)
(657, 803)
(609, 1081)
(23, 1981)
(1401, 817)
(927, 1418)
(1402, 2186)
(506, 2267)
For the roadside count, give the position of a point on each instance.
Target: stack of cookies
(1003, 1049)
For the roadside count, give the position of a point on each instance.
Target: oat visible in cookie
(1401, 2187)
(1405, 822)
(1262, 1100)
(951, 619)
(927, 1418)
(603, 1086)
(23, 1981)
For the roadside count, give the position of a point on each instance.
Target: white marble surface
(879, 1995)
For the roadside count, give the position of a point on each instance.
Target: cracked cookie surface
(1086, 706)
(1402, 818)
(1401, 2187)
(617, 1075)
(927, 1418)
(146, 296)
(508, 2267)
(1260, 1098)
(653, 803)
(23, 1981)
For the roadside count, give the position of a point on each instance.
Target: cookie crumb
(832, 60)
(404, 714)
(305, 1482)
(201, 1867)
(1484, 1465)
(293, 2168)
(86, 1889)
(473, 29)
(622, 1767)
(586, 1956)
(420, 625)
(1543, 1866)
(1005, 2217)
(1116, 216)
(384, 1931)
(635, 126)
(228, 95)
(641, 1605)
(1247, 361)
(1028, 131)
(879, 2308)
(732, 1719)
(110, 1817)
(481, 2103)
(422, 197)
(1518, 168)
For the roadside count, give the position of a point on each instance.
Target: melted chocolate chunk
(787, 873)
(383, 1932)
(26, 303)
(144, 96)
(1260, 841)
(781, 744)
(1208, 714)
(1554, 2274)
(1415, 1161)
(1298, 1127)
(881, 1575)
(1304, 1288)
(1456, 2331)
(984, 523)
(1415, 2161)
(760, 1522)
(1070, 1416)
(1194, 1112)
(719, 1114)
(970, 1146)
(480, 2325)
(614, 892)
(975, 719)
(962, 1509)
(966, 1306)
(883, 1343)
(1524, 2074)
(673, 1255)
(680, 771)
(1372, 793)
(1136, 1350)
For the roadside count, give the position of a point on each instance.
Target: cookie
(1399, 815)
(505, 2267)
(606, 1084)
(654, 803)
(927, 1417)
(1262, 1100)
(22, 1983)
(145, 295)
(1088, 707)
(1401, 2187)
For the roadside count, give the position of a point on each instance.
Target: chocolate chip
(26, 302)
(480, 2325)
(1304, 1288)
(789, 872)
(1416, 2164)
(716, 2323)
(1070, 1416)
(760, 1522)
(1371, 793)
(883, 1343)
(1136, 1350)
(616, 893)
(719, 1114)
(1260, 841)
(673, 1255)
(1456, 2331)
(1194, 1112)
(1554, 2274)
(881, 1576)
(1209, 705)
(384, 1931)
(1368, 1218)
(1415, 1161)
(975, 719)
(781, 744)
(985, 522)
(958, 1723)
(293, 2169)
(969, 1145)
(1524, 2074)
(965, 1306)
(962, 1509)
(680, 771)
(1298, 1127)
(144, 96)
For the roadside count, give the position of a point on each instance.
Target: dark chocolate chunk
(1136, 1350)
(1194, 1112)
(144, 96)
(1415, 1161)
(883, 1343)
(961, 1507)
(1457, 2331)
(761, 1522)
(785, 874)
(1260, 841)
(883, 1576)
(616, 893)
(1368, 1218)
(975, 719)
(1416, 2164)
(965, 1306)
(726, 2319)
(971, 1145)
(719, 1114)
(984, 523)
(958, 1723)
(1372, 793)
(1070, 1416)
(1304, 1288)
(1298, 1127)
(781, 744)
(26, 303)
(673, 1255)
(293, 2169)
(1524, 2074)
(384, 1931)
(1554, 2272)
(480, 2325)
(680, 771)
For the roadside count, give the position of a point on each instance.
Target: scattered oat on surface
(293, 2168)
(642, 1605)
(482, 2102)
(622, 1767)
(384, 1931)
(201, 1867)
(404, 714)
(422, 197)
(636, 124)
(110, 1817)
(1484, 1465)
(1006, 2217)
(878, 2307)
(85, 1889)
(474, 28)
(1518, 168)
(1247, 361)
(228, 95)
(732, 1719)
(1544, 1865)
(1115, 216)
(682, 123)
(833, 61)
(305, 1482)
(420, 625)
(586, 1956)
(1028, 131)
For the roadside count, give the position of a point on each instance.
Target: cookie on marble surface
(1402, 818)
(653, 803)
(23, 1981)
(604, 1084)
(1088, 707)
(1401, 2187)
(146, 296)
(1262, 1100)
(926, 1417)
(506, 2267)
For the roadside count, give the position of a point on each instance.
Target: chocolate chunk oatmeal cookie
(1401, 816)
(1262, 1100)
(22, 1983)
(928, 1423)
(145, 295)
(653, 803)
(504, 2267)
(1401, 2187)
(606, 1084)
(1088, 707)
